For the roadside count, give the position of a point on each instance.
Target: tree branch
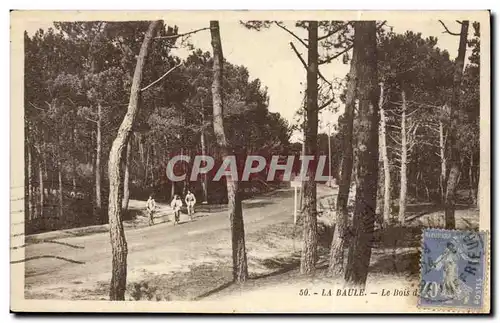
(94, 121)
(333, 32)
(381, 24)
(417, 103)
(324, 79)
(291, 33)
(413, 112)
(324, 105)
(431, 128)
(447, 31)
(182, 35)
(161, 77)
(394, 139)
(298, 55)
(394, 126)
(34, 106)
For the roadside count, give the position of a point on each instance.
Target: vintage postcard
(250, 162)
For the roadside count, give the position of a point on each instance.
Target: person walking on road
(176, 206)
(151, 207)
(190, 202)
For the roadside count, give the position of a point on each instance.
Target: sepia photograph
(250, 162)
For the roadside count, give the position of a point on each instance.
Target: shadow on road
(257, 204)
(280, 265)
(213, 291)
(52, 241)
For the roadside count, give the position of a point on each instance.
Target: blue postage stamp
(452, 269)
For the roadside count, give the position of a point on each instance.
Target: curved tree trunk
(117, 235)
(309, 249)
(367, 167)
(336, 266)
(453, 144)
(240, 269)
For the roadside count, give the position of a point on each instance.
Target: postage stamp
(452, 269)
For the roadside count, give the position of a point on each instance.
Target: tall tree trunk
(172, 190)
(30, 183)
(98, 203)
(40, 179)
(187, 171)
(126, 179)
(74, 160)
(309, 249)
(380, 189)
(240, 269)
(380, 185)
(301, 201)
(92, 156)
(146, 167)
(476, 186)
(152, 165)
(336, 266)
(141, 147)
(442, 149)
(98, 200)
(385, 159)
(184, 172)
(204, 183)
(453, 144)
(404, 160)
(417, 181)
(44, 163)
(117, 235)
(61, 201)
(367, 142)
(329, 157)
(473, 180)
